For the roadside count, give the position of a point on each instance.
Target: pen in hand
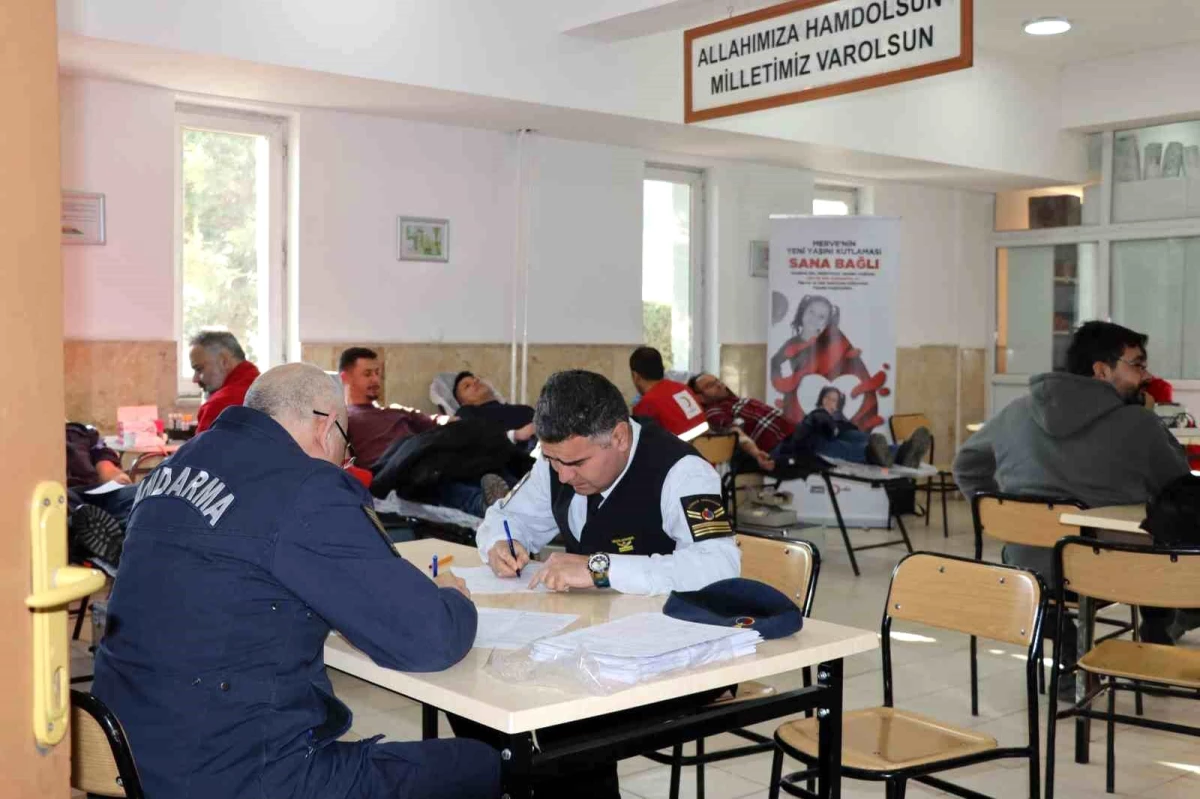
(511, 549)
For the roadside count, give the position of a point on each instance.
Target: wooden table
(1118, 521)
(520, 710)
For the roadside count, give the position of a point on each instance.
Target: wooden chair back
(716, 448)
(903, 425)
(101, 762)
(789, 566)
(997, 602)
(1022, 520)
(1132, 575)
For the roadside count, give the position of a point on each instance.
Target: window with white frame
(835, 201)
(672, 255)
(230, 217)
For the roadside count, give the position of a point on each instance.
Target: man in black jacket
(477, 400)
(826, 431)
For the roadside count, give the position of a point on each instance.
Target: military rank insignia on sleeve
(706, 516)
(379, 528)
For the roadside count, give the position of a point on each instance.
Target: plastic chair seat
(884, 739)
(1170, 665)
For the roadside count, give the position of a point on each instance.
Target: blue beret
(738, 602)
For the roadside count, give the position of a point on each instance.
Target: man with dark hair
(477, 400)
(1082, 434)
(618, 492)
(638, 510)
(220, 368)
(671, 404)
(372, 429)
(760, 427)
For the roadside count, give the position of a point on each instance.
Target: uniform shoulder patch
(706, 516)
(379, 528)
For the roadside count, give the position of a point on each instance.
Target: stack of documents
(644, 645)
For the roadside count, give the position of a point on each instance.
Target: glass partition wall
(1124, 246)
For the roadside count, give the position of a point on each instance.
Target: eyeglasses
(1141, 366)
(338, 425)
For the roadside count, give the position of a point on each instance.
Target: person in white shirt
(638, 509)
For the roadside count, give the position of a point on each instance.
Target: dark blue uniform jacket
(242, 553)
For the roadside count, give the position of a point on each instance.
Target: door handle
(54, 585)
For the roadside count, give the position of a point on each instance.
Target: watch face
(598, 563)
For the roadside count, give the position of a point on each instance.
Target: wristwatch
(598, 565)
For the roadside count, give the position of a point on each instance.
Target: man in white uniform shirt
(638, 509)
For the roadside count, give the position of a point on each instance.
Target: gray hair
(216, 340)
(578, 403)
(293, 391)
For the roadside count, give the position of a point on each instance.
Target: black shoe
(913, 451)
(878, 452)
(94, 533)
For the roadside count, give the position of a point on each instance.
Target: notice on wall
(833, 326)
(810, 49)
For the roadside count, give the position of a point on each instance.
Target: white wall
(119, 140)
(355, 173)
(1154, 84)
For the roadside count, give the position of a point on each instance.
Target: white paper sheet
(107, 488)
(513, 629)
(481, 580)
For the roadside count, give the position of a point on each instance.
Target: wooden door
(31, 388)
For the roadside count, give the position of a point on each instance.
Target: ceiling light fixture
(1047, 26)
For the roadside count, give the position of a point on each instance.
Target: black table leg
(837, 511)
(1085, 631)
(429, 722)
(829, 726)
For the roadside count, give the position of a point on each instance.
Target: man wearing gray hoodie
(1082, 434)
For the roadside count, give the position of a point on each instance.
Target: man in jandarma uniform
(243, 550)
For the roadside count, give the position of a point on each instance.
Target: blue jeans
(467, 497)
(849, 446)
(117, 504)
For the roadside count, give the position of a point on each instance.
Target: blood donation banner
(832, 339)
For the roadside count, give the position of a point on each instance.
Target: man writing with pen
(638, 509)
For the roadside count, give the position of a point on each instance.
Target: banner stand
(833, 288)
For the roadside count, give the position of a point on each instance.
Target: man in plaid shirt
(762, 427)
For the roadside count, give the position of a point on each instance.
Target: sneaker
(494, 489)
(878, 451)
(913, 451)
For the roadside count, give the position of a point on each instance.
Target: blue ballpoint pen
(434, 566)
(511, 549)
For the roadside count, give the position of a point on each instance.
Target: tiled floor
(930, 676)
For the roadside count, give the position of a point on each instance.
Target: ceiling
(213, 79)
(1102, 28)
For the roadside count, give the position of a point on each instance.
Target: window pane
(225, 258)
(1153, 283)
(1156, 172)
(830, 207)
(1042, 295)
(666, 271)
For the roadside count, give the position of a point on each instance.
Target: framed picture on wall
(760, 254)
(82, 217)
(422, 239)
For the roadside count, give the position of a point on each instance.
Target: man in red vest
(671, 404)
(220, 368)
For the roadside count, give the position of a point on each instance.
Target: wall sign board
(810, 49)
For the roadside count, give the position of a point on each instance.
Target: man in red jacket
(220, 368)
(669, 403)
